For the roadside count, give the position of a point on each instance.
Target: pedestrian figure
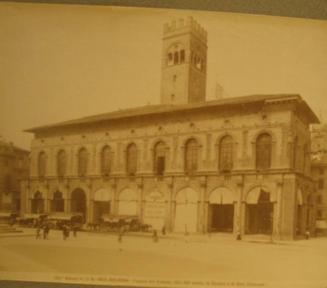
(65, 231)
(120, 235)
(238, 236)
(74, 228)
(38, 232)
(46, 231)
(155, 236)
(307, 234)
(163, 230)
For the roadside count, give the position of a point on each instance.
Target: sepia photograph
(150, 147)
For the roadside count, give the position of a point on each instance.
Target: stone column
(114, 198)
(46, 199)
(208, 151)
(277, 212)
(140, 198)
(173, 163)
(67, 207)
(169, 200)
(239, 213)
(203, 211)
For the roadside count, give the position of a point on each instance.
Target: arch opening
(78, 202)
(221, 210)
(57, 203)
(259, 212)
(101, 205)
(186, 211)
(37, 205)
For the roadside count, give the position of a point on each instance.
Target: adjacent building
(236, 165)
(319, 173)
(14, 166)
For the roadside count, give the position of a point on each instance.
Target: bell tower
(184, 62)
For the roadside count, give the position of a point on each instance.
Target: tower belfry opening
(184, 62)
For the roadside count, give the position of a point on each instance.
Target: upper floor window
(176, 55)
(131, 159)
(191, 156)
(182, 56)
(61, 163)
(226, 153)
(263, 151)
(105, 160)
(159, 158)
(82, 162)
(42, 163)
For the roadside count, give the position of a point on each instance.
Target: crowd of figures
(43, 229)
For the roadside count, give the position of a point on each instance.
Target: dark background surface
(315, 9)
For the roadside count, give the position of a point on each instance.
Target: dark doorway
(57, 202)
(101, 208)
(78, 202)
(260, 215)
(37, 203)
(222, 216)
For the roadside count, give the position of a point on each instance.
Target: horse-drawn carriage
(122, 222)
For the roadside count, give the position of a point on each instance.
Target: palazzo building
(238, 165)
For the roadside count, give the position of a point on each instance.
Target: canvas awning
(222, 195)
(254, 194)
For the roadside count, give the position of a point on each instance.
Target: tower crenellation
(185, 24)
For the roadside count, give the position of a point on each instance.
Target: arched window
(42, 163)
(82, 162)
(57, 202)
(131, 159)
(105, 160)
(61, 163)
(159, 158)
(182, 56)
(263, 151)
(175, 55)
(226, 153)
(191, 156)
(176, 58)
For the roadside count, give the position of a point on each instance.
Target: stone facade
(14, 166)
(238, 165)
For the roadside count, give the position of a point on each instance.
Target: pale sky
(61, 62)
